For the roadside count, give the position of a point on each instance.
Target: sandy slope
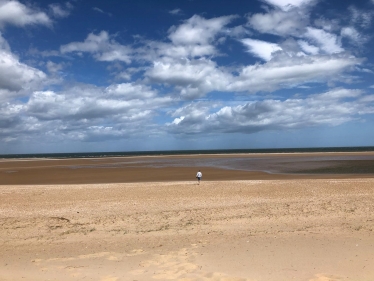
(313, 230)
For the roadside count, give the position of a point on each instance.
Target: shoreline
(216, 167)
(369, 152)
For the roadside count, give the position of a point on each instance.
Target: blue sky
(82, 76)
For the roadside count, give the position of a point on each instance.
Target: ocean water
(241, 159)
(185, 152)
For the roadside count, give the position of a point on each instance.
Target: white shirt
(199, 174)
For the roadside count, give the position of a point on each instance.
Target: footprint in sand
(179, 265)
(78, 266)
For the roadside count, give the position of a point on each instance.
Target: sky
(96, 76)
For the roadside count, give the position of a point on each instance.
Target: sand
(293, 228)
(184, 167)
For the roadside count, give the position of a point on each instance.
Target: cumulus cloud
(194, 38)
(280, 22)
(327, 42)
(129, 91)
(288, 64)
(185, 66)
(360, 17)
(331, 108)
(260, 48)
(54, 67)
(15, 13)
(183, 63)
(287, 5)
(353, 35)
(61, 11)
(14, 126)
(191, 115)
(285, 72)
(161, 49)
(307, 48)
(198, 30)
(16, 77)
(101, 46)
(329, 25)
(120, 100)
(9, 117)
(84, 113)
(193, 78)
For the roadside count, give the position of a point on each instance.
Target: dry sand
(274, 229)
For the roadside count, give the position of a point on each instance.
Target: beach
(146, 218)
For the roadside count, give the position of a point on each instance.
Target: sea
(317, 160)
(186, 152)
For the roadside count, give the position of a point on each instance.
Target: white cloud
(16, 77)
(181, 68)
(130, 91)
(337, 94)
(14, 125)
(279, 22)
(260, 48)
(194, 38)
(288, 72)
(353, 35)
(192, 116)
(59, 11)
(83, 113)
(98, 10)
(238, 31)
(101, 46)
(175, 12)
(330, 108)
(192, 78)
(54, 67)
(176, 121)
(288, 67)
(287, 5)
(328, 42)
(185, 65)
(197, 30)
(307, 48)
(9, 116)
(127, 73)
(329, 25)
(15, 13)
(182, 51)
(101, 11)
(362, 18)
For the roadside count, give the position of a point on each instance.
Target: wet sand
(262, 227)
(182, 168)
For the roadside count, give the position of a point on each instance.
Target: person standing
(199, 176)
